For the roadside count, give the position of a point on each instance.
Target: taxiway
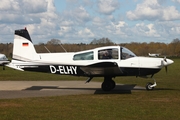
(24, 89)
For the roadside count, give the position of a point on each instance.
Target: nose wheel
(150, 86)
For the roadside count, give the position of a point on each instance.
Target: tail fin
(23, 48)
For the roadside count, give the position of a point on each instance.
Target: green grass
(161, 104)
(138, 105)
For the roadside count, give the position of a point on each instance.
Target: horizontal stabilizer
(14, 67)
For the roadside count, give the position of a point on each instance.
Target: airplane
(107, 62)
(153, 55)
(3, 60)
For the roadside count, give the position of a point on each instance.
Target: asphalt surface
(25, 89)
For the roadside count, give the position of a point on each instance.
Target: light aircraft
(153, 55)
(107, 62)
(3, 60)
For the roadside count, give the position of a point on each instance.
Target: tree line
(140, 49)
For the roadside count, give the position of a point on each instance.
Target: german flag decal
(25, 44)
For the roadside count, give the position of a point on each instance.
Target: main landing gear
(108, 84)
(150, 86)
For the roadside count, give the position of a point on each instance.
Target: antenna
(47, 49)
(62, 46)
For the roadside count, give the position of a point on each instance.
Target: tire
(113, 84)
(108, 85)
(148, 86)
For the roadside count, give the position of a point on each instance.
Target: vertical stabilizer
(23, 48)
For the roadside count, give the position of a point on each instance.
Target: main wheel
(113, 84)
(108, 85)
(148, 86)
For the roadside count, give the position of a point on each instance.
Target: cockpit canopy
(105, 53)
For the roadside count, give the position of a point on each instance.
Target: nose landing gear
(150, 86)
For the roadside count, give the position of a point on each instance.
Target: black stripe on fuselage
(77, 71)
(55, 69)
(129, 71)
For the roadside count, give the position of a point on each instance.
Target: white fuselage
(67, 59)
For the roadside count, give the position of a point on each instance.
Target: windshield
(126, 53)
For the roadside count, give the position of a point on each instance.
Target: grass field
(161, 104)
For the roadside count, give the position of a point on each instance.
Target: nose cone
(167, 62)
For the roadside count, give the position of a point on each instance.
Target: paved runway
(24, 89)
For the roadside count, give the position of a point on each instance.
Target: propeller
(165, 59)
(166, 68)
(166, 62)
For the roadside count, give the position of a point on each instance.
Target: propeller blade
(165, 59)
(162, 62)
(166, 68)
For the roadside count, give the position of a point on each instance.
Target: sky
(81, 21)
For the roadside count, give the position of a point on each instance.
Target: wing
(102, 69)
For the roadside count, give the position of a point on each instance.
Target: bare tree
(54, 42)
(102, 41)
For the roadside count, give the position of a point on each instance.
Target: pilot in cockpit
(106, 55)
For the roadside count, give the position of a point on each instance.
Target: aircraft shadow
(41, 87)
(119, 89)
